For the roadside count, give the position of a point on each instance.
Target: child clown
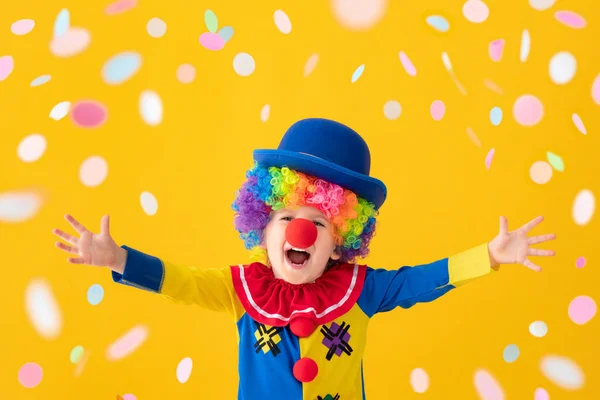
(307, 211)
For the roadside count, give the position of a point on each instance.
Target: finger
(63, 235)
(503, 225)
(531, 265)
(75, 224)
(538, 252)
(531, 224)
(75, 260)
(541, 238)
(68, 249)
(105, 225)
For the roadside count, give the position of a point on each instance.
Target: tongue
(297, 257)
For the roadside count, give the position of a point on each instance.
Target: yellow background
(441, 197)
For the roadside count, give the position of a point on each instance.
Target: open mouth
(297, 258)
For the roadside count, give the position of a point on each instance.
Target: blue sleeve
(142, 271)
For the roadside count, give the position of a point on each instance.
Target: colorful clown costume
(302, 342)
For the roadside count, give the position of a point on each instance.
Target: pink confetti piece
(580, 263)
(487, 387)
(30, 375)
(473, 137)
(579, 124)
(81, 364)
(496, 49)
(409, 67)
(7, 63)
(212, 41)
(595, 90)
(492, 86)
(488, 158)
(127, 343)
(71, 43)
(120, 6)
(89, 114)
(582, 309)
(311, 64)
(437, 110)
(528, 110)
(570, 19)
(541, 394)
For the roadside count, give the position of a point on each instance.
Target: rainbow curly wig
(268, 189)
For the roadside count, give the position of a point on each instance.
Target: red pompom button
(301, 233)
(302, 327)
(305, 369)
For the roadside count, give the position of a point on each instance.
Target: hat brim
(369, 188)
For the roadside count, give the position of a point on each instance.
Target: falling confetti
(392, 109)
(282, 22)
(556, 162)
(89, 114)
(540, 172)
(583, 207)
(42, 309)
(60, 110)
(121, 67)
(62, 22)
(538, 329)
(570, 19)
(184, 370)
(595, 86)
(19, 206)
(486, 386)
(409, 67)
(579, 123)
(473, 137)
(129, 397)
(265, 112)
(496, 116)
(582, 309)
(93, 171)
(22, 27)
(448, 65)
(359, 14)
(528, 110)
(151, 107)
(541, 394)
(226, 33)
(511, 353)
(437, 110)
(186, 73)
(243, 64)
(127, 343)
(40, 80)
(149, 203)
(82, 363)
(562, 67)
(156, 27)
(446, 61)
(496, 49)
(476, 11)
(358, 73)
(73, 42)
(30, 375)
(492, 86)
(7, 65)
(211, 21)
(525, 45)
(438, 23)
(311, 64)
(212, 41)
(95, 294)
(419, 380)
(32, 147)
(541, 5)
(580, 263)
(563, 372)
(120, 6)
(488, 158)
(76, 354)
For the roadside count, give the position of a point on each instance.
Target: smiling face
(298, 266)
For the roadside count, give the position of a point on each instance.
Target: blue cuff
(142, 271)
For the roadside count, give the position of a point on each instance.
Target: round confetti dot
(496, 116)
(32, 147)
(540, 172)
(541, 4)
(538, 328)
(156, 27)
(30, 375)
(528, 110)
(595, 86)
(563, 372)
(265, 112)
(243, 64)
(488, 158)
(282, 22)
(127, 343)
(407, 64)
(120, 6)
(359, 14)
(582, 309)
(541, 394)
(76, 354)
(42, 309)
(438, 23)
(75, 41)
(392, 109)
(89, 114)
(22, 26)
(357, 73)
(18, 206)
(579, 123)
(562, 67)
(121, 67)
(583, 207)
(556, 162)
(525, 45)
(129, 397)
(7, 64)
(580, 263)
(486, 386)
(40, 80)
(184, 370)
(511, 353)
(475, 11)
(62, 22)
(186, 73)
(419, 380)
(311, 64)
(93, 171)
(570, 19)
(149, 203)
(60, 110)
(151, 107)
(95, 294)
(212, 41)
(437, 110)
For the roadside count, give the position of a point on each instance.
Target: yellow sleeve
(468, 265)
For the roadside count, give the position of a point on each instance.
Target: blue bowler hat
(330, 151)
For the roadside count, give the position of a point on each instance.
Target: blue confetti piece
(496, 116)
(226, 33)
(95, 294)
(40, 80)
(62, 22)
(121, 67)
(438, 22)
(359, 71)
(511, 353)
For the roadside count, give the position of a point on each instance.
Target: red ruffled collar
(275, 302)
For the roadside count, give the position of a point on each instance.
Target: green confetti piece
(211, 21)
(76, 354)
(556, 162)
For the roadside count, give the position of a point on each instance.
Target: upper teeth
(293, 248)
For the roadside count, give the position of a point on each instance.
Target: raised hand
(515, 247)
(97, 249)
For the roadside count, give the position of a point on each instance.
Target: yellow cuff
(469, 264)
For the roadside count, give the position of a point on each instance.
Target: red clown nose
(301, 233)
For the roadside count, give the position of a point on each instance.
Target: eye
(319, 224)
(286, 218)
